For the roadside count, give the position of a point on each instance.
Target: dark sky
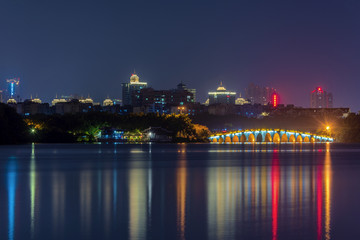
(90, 47)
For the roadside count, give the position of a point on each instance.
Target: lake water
(180, 191)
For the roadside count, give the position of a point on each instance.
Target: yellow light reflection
(137, 203)
(327, 182)
(181, 174)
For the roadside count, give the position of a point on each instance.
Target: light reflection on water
(167, 192)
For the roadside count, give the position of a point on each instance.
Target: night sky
(91, 47)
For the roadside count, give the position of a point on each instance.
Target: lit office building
(258, 94)
(321, 99)
(132, 89)
(221, 95)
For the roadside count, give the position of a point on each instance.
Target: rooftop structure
(221, 95)
(108, 102)
(132, 88)
(321, 99)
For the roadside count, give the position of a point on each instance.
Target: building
(73, 106)
(258, 94)
(108, 134)
(108, 102)
(86, 100)
(32, 107)
(241, 101)
(150, 100)
(1, 96)
(321, 99)
(13, 85)
(132, 89)
(157, 134)
(221, 95)
(58, 100)
(182, 86)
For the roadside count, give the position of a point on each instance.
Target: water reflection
(86, 201)
(58, 188)
(12, 184)
(137, 200)
(181, 184)
(144, 192)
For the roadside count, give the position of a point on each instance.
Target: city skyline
(6, 94)
(89, 47)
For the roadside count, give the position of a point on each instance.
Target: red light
(275, 100)
(228, 96)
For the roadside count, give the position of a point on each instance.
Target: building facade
(182, 86)
(258, 94)
(321, 99)
(161, 101)
(131, 90)
(13, 85)
(221, 95)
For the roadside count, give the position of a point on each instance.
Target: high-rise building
(321, 99)
(258, 94)
(1, 96)
(13, 84)
(173, 97)
(132, 89)
(182, 86)
(221, 95)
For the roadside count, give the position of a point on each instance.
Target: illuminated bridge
(268, 135)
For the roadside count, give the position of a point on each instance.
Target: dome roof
(108, 102)
(221, 87)
(134, 78)
(11, 101)
(36, 100)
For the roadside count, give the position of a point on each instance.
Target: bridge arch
(251, 138)
(292, 138)
(259, 138)
(276, 138)
(299, 139)
(214, 140)
(227, 139)
(306, 139)
(243, 138)
(312, 140)
(268, 137)
(235, 138)
(284, 138)
(221, 140)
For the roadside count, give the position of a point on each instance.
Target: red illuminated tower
(275, 99)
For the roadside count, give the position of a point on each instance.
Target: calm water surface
(179, 191)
